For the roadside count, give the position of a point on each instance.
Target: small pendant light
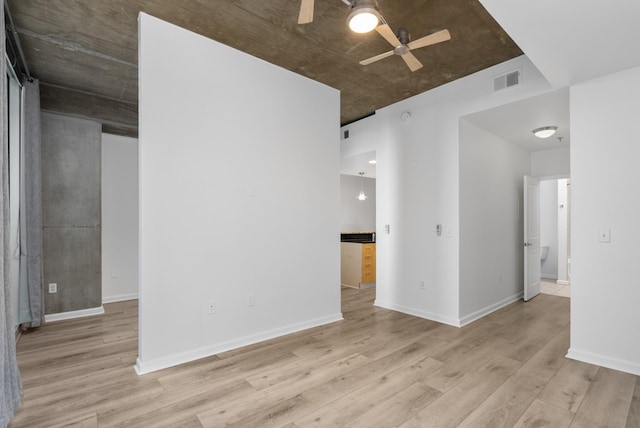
(361, 196)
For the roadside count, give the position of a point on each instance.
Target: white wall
(119, 218)
(357, 215)
(239, 196)
(491, 221)
(417, 178)
(552, 162)
(605, 296)
(549, 227)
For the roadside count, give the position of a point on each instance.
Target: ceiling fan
(402, 45)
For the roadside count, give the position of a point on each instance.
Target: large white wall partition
(239, 198)
(119, 218)
(605, 296)
(491, 221)
(417, 180)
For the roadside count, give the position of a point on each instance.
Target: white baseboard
(144, 367)
(74, 314)
(418, 313)
(604, 361)
(460, 322)
(119, 298)
(562, 282)
(474, 316)
(545, 276)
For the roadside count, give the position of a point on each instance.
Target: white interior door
(531, 237)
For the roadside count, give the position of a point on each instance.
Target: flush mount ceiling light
(364, 16)
(361, 196)
(545, 131)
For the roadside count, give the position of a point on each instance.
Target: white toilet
(543, 253)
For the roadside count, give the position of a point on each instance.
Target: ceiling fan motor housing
(404, 36)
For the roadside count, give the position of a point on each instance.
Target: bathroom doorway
(555, 233)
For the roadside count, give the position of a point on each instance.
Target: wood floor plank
(544, 415)
(569, 385)
(349, 407)
(375, 368)
(455, 405)
(505, 406)
(323, 347)
(453, 372)
(259, 408)
(633, 420)
(533, 340)
(301, 367)
(546, 362)
(171, 405)
(608, 400)
(395, 410)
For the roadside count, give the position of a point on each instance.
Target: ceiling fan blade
(306, 12)
(431, 39)
(385, 31)
(376, 58)
(412, 61)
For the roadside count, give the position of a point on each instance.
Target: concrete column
(71, 212)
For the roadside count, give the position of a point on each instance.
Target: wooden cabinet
(358, 264)
(368, 263)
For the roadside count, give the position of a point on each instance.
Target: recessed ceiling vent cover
(506, 80)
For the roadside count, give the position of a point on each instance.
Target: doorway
(358, 221)
(555, 235)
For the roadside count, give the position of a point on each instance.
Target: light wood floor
(377, 368)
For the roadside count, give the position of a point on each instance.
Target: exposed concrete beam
(117, 117)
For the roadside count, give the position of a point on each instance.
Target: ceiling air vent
(345, 134)
(506, 80)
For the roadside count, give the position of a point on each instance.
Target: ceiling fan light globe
(363, 19)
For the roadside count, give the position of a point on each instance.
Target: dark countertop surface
(358, 237)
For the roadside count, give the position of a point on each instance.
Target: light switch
(604, 235)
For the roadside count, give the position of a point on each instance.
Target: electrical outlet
(252, 300)
(211, 308)
(53, 288)
(421, 285)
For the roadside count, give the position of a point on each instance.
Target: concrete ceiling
(85, 51)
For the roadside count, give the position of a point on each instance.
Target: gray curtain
(10, 385)
(31, 216)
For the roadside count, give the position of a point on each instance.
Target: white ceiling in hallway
(352, 165)
(515, 122)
